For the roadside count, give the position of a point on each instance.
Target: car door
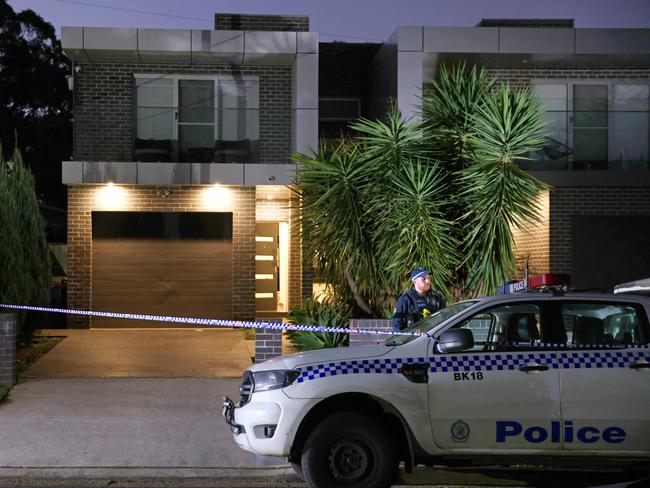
(605, 376)
(504, 393)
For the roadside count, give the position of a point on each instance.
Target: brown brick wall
(532, 242)
(567, 202)
(104, 107)
(82, 200)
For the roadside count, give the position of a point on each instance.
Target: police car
(543, 378)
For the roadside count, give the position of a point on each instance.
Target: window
(506, 327)
(609, 324)
(596, 124)
(196, 119)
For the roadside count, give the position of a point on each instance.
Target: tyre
(351, 450)
(297, 468)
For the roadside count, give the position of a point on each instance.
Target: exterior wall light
(111, 197)
(217, 197)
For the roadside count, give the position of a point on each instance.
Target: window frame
(555, 309)
(177, 77)
(492, 347)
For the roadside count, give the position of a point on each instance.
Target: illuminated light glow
(111, 197)
(263, 257)
(263, 239)
(263, 295)
(217, 197)
(263, 276)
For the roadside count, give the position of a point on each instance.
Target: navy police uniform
(411, 307)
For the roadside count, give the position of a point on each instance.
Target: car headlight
(271, 380)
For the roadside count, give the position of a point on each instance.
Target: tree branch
(355, 291)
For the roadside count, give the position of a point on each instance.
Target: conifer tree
(24, 255)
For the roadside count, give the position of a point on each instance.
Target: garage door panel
(153, 266)
(184, 287)
(173, 277)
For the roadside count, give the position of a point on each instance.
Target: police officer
(417, 303)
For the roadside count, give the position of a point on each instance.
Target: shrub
(327, 313)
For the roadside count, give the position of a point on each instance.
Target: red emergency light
(548, 279)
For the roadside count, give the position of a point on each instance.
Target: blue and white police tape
(211, 322)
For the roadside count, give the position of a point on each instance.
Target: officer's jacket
(407, 311)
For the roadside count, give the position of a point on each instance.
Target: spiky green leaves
(443, 193)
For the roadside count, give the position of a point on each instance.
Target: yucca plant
(443, 193)
(497, 193)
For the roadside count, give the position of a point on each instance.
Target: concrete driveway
(123, 427)
(144, 353)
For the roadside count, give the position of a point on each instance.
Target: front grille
(246, 387)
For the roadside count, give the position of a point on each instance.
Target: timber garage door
(161, 263)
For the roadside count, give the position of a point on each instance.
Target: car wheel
(351, 450)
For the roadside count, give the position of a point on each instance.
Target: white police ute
(543, 378)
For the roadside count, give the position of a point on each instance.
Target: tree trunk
(355, 292)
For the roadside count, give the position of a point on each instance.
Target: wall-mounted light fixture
(217, 197)
(111, 197)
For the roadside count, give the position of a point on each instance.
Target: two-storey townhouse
(595, 86)
(177, 192)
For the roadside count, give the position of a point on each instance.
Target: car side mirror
(455, 340)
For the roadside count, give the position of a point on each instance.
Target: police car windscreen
(431, 322)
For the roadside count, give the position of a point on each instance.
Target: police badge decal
(460, 431)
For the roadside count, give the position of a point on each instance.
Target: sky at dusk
(346, 20)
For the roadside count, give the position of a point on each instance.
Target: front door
(502, 395)
(266, 266)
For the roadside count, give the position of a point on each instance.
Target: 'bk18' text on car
(531, 378)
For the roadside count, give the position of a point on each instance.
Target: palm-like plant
(498, 195)
(483, 131)
(443, 193)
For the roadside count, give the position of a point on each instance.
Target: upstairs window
(595, 124)
(196, 119)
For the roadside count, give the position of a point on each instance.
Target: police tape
(244, 324)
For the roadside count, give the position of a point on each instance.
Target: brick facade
(268, 344)
(380, 325)
(243, 22)
(523, 77)
(104, 107)
(568, 202)
(532, 242)
(83, 199)
(8, 326)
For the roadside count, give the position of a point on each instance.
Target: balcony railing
(173, 150)
(196, 134)
(594, 140)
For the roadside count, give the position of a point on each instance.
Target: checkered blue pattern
(498, 361)
(382, 366)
